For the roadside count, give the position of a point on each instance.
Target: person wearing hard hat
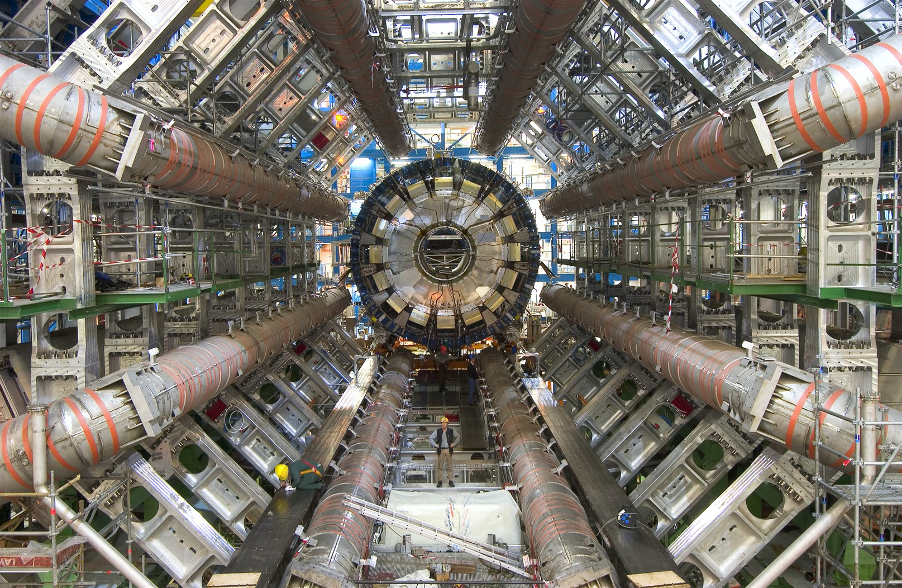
(300, 475)
(443, 440)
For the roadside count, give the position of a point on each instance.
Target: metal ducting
(342, 27)
(340, 536)
(137, 403)
(87, 128)
(540, 25)
(559, 534)
(809, 114)
(768, 397)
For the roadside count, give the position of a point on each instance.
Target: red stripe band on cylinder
(41, 110)
(880, 84)
(73, 132)
(796, 412)
(791, 96)
(823, 416)
(53, 451)
(816, 98)
(862, 103)
(9, 72)
(9, 464)
(23, 102)
(84, 427)
(26, 441)
(100, 129)
(892, 50)
(107, 417)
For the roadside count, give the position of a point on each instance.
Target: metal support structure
(60, 509)
(339, 537)
(119, 139)
(562, 541)
(725, 537)
(489, 553)
(804, 542)
(121, 409)
(343, 28)
(745, 388)
(540, 25)
(688, 472)
(779, 125)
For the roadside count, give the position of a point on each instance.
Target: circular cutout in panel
(444, 253)
(713, 300)
(144, 507)
(130, 319)
(445, 250)
(766, 502)
(122, 36)
(844, 204)
(847, 322)
(649, 516)
(193, 459)
(716, 217)
(708, 455)
(60, 332)
(269, 394)
(602, 369)
(627, 390)
(770, 311)
(693, 574)
(242, 10)
(56, 218)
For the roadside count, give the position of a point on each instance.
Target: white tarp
(472, 514)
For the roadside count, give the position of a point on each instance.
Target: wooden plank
(656, 580)
(241, 580)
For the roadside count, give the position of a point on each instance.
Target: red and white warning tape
(674, 266)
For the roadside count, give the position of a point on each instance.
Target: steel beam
(768, 397)
(137, 403)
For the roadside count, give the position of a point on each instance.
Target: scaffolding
(865, 549)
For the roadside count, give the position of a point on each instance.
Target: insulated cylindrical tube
(87, 128)
(342, 26)
(809, 114)
(98, 422)
(721, 376)
(342, 535)
(560, 537)
(540, 25)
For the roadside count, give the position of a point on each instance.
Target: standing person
(472, 379)
(441, 362)
(443, 440)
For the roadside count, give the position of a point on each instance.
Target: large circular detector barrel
(445, 250)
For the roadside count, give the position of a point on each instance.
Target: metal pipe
(562, 542)
(768, 397)
(87, 128)
(138, 402)
(869, 437)
(808, 114)
(342, 27)
(341, 534)
(62, 510)
(540, 25)
(798, 547)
